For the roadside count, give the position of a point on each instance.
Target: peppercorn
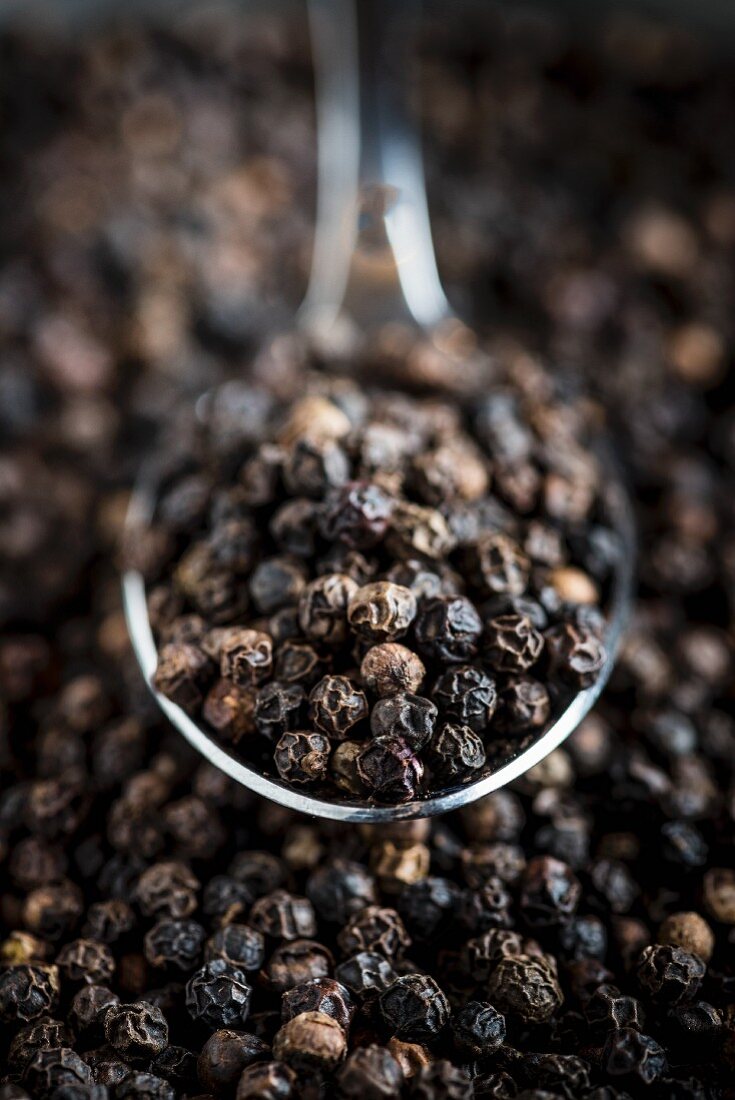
(302, 757)
(218, 994)
(357, 514)
(311, 1040)
(448, 628)
(238, 944)
(108, 921)
(477, 1029)
(609, 1008)
(693, 1032)
(550, 892)
(279, 708)
(323, 607)
(381, 611)
(370, 1073)
(283, 916)
(524, 705)
(297, 962)
(175, 943)
(340, 888)
(575, 653)
(441, 1080)
(33, 1037)
(406, 716)
(718, 890)
(374, 928)
(390, 770)
(336, 704)
(670, 974)
(86, 961)
(146, 1086)
(225, 898)
(87, 1011)
(246, 656)
(294, 527)
(312, 467)
(628, 1053)
(53, 1067)
(455, 752)
(135, 1031)
(28, 992)
(389, 668)
(418, 531)
(486, 907)
(181, 674)
(229, 709)
(319, 995)
(512, 644)
(343, 767)
(167, 890)
(689, 931)
(299, 662)
(225, 1055)
(526, 987)
(365, 973)
(277, 582)
(267, 1081)
(468, 695)
(414, 1007)
(53, 911)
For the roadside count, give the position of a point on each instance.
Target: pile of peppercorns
(572, 937)
(339, 593)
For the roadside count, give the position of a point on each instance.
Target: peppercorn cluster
(155, 189)
(375, 594)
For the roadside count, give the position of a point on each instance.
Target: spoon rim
(619, 514)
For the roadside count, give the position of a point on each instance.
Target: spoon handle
(370, 166)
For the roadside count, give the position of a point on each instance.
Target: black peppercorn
(370, 1073)
(135, 1031)
(279, 708)
(441, 1080)
(218, 994)
(175, 943)
(512, 644)
(283, 916)
(525, 986)
(628, 1053)
(455, 752)
(670, 974)
(297, 962)
(238, 944)
(267, 1081)
(336, 705)
(414, 1007)
(390, 770)
(357, 514)
(319, 995)
(365, 974)
(277, 582)
(575, 653)
(374, 928)
(302, 757)
(550, 892)
(609, 1008)
(448, 628)
(28, 992)
(323, 608)
(144, 1086)
(381, 611)
(225, 1055)
(467, 695)
(403, 715)
(477, 1029)
(53, 1067)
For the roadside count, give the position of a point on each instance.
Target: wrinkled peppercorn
(448, 629)
(669, 974)
(403, 715)
(175, 943)
(238, 944)
(512, 644)
(218, 994)
(302, 757)
(319, 995)
(267, 1081)
(477, 1029)
(135, 1031)
(390, 770)
(28, 992)
(336, 704)
(370, 1073)
(525, 986)
(374, 928)
(414, 1007)
(225, 1055)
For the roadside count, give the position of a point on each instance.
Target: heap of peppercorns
(375, 593)
(163, 933)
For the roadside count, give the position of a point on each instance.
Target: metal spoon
(370, 159)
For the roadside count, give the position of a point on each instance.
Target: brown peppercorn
(689, 931)
(310, 1040)
(246, 656)
(416, 530)
(86, 961)
(500, 565)
(302, 757)
(381, 611)
(371, 1073)
(294, 963)
(718, 891)
(390, 668)
(455, 469)
(267, 1081)
(229, 708)
(397, 865)
(323, 608)
(314, 417)
(181, 674)
(410, 1056)
(225, 1055)
(167, 890)
(28, 992)
(524, 704)
(343, 767)
(374, 928)
(312, 467)
(455, 752)
(575, 653)
(283, 916)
